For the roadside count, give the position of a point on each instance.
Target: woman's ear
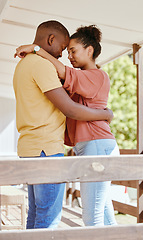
(90, 51)
(51, 39)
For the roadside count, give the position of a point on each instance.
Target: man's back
(40, 124)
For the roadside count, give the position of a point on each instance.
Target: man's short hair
(54, 25)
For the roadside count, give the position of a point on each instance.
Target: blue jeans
(45, 203)
(97, 208)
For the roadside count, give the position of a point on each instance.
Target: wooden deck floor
(71, 217)
(11, 215)
(12, 219)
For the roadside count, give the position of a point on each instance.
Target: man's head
(53, 37)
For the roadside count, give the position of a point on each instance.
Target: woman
(89, 86)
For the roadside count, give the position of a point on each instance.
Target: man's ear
(51, 39)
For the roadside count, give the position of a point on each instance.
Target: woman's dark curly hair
(89, 36)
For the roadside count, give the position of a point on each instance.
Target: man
(41, 107)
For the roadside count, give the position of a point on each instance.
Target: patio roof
(121, 23)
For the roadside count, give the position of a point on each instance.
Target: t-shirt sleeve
(83, 82)
(45, 75)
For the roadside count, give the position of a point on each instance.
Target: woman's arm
(24, 49)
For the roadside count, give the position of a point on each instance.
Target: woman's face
(77, 54)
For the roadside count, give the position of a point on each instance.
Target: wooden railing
(73, 169)
(119, 206)
(72, 193)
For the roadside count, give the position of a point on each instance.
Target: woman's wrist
(35, 48)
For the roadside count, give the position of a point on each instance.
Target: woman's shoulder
(102, 74)
(97, 73)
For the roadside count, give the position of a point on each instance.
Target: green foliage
(123, 101)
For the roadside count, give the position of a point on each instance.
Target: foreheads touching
(53, 37)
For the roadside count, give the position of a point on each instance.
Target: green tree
(123, 101)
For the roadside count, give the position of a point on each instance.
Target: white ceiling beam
(109, 41)
(114, 57)
(20, 20)
(118, 43)
(140, 43)
(6, 91)
(123, 12)
(24, 18)
(3, 6)
(7, 52)
(7, 67)
(8, 60)
(8, 44)
(15, 35)
(6, 79)
(30, 15)
(109, 51)
(18, 24)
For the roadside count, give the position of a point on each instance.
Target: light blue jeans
(45, 203)
(97, 208)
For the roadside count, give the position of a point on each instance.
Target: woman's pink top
(90, 88)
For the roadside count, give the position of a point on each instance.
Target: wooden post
(140, 202)
(138, 61)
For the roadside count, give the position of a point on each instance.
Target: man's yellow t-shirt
(40, 124)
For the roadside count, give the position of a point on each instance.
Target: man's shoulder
(41, 62)
(34, 58)
(37, 64)
(28, 59)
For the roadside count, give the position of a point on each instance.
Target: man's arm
(74, 110)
